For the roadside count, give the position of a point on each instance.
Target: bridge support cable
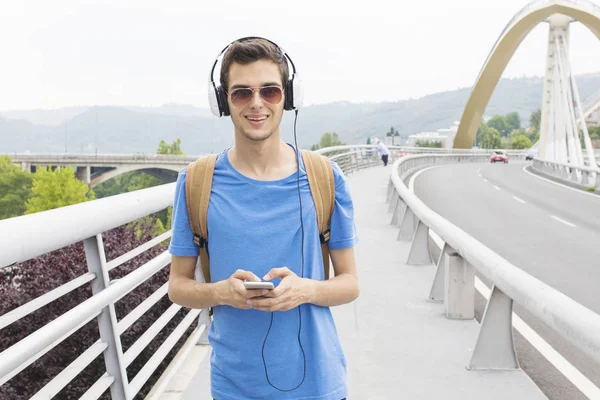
(562, 111)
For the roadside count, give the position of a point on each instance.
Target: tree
(520, 142)
(481, 132)
(54, 189)
(369, 140)
(15, 188)
(513, 121)
(173, 149)
(536, 119)
(126, 182)
(594, 132)
(498, 122)
(429, 143)
(491, 139)
(392, 133)
(329, 139)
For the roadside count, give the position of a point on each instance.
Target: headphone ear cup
(223, 104)
(213, 100)
(289, 95)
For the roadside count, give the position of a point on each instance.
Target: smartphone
(259, 285)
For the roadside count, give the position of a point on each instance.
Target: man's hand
(290, 293)
(233, 293)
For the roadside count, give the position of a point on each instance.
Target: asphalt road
(551, 232)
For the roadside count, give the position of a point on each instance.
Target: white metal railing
(582, 176)
(26, 237)
(99, 159)
(454, 279)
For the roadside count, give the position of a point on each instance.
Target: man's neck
(270, 159)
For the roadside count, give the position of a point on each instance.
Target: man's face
(258, 119)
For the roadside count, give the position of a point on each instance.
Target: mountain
(125, 129)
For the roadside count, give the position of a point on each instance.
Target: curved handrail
(573, 321)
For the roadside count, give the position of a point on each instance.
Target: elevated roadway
(549, 231)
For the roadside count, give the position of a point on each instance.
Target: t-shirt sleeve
(182, 240)
(343, 230)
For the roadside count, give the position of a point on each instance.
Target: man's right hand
(233, 293)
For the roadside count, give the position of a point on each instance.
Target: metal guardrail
(582, 176)
(453, 284)
(100, 159)
(29, 236)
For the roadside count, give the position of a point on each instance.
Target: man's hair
(250, 50)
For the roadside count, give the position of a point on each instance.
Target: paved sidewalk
(398, 344)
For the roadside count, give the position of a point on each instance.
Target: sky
(64, 53)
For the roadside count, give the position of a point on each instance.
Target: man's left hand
(290, 293)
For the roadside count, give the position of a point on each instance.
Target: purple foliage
(30, 279)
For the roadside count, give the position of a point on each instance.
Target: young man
(279, 344)
(384, 152)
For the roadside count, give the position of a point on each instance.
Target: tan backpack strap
(197, 190)
(322, 187)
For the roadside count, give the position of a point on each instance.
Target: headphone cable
(302, 251)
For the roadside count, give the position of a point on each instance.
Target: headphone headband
(217, 97)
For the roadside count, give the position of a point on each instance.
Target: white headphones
(217, 97)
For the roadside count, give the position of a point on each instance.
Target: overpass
(96, 169)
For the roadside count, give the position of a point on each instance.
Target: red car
(499, 155)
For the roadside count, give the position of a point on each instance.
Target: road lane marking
(485, 180)
(496, 187)
(568, 370)
(519, 200)
(581, 382)
(560, 184)
(563, 221)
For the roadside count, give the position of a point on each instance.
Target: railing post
(107, 320)
(437, 289)
(407, 225)
(419, 250)
(395, 200)
(495, 347)
(398, 211)
(459, 293)
(390, 191)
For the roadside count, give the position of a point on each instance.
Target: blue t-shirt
(255, 226)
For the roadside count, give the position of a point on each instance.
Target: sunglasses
(242, 96)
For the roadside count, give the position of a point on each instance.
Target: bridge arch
(517, 29)
(156, 170)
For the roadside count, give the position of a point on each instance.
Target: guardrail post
(407, 225)
(495, 347)
(398, 211)
(204, 319)
(107, 320)
(419, 250)
(390, 191)
(459, 296)
(395, 199)
(437, 289)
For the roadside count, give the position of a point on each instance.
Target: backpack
(198, 187)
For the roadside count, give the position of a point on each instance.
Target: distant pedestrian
(383, 151)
